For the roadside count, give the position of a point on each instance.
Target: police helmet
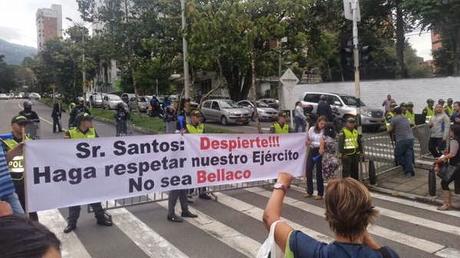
(450, 100)
(27, 104)
(403, 104)
(393, 104)
(83, 117)
(410, 104)
(80, 100)
(430, 101)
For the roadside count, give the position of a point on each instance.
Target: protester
(428, 111)
(409, 113)
(13, 148)
(121, 119)
(314, 136)
(197, 127)
(280, 126)
(349, 211)
(84, 130)
(328, 149)
(324, 108)
(448, 108)
(170, 120)
(7, 190)
(351, 149)
(439, 131)
(299, 117)
(23, 238)
(404, 149)
(455, 118)
(441, 102)
(387, 103)
(155, 107)
(56, 115)
(452, 160)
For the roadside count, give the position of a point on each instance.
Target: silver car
(225, 111)
(111, 101)
(140, 103)
(265, 112)
(345, 106)
(96, 99)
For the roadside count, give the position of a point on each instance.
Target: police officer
(428, 111)
(448, 108)
(280, 126)
(197, 127)
(350, 148)
(409, 113)
(13, 148)
(78, 109)
(390, 114)
(84, 130)
(33, 119)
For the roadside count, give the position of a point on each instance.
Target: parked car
(96, 99)
(273, 103)
(20, 95)
(34, 95)
(225, 111)
(126, 97)
(3, 96)
(265, 112)
(345, 106)
(111, 101)
(140, 103)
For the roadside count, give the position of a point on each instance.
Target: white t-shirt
(315, 137)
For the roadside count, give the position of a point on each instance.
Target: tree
(7, 79)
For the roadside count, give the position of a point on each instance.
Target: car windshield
(262, 105)
(114, 98)
(228, 104)
(351, 101)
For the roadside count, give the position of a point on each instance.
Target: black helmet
(80, 100)
(410, 104)
(450, 100)
(82, 117)
(430, 101)
(27, 104)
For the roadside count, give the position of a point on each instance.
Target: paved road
(231, 226)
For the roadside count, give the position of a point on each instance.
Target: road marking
(448, 253)
(71, 245)
(415, 204)
(149, 241)
(229, 236)
(257, 213)
(414, 242)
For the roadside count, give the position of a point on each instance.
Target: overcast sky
(17, 23)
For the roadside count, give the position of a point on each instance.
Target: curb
(412, 197)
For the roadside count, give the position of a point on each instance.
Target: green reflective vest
(351, 139)
(410, 116)
(449, 110)
(16, 164)
(429, 114)
(195, 129)
(281, 130)
(75, 133)
(388, 118)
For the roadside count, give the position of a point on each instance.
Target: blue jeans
(299, 123)
(404, 153)
(13, 200)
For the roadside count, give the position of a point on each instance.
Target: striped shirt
(6, 184)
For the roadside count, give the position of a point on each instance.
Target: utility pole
(185, 53)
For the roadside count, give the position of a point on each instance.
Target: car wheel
(223, 120)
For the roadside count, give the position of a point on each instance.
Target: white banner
(62, 173)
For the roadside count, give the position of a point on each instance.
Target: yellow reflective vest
(16, 164)
(388, 118)
(351, 139)
(411, 117)
(279, 129)
(449, 110)
(429, 113)
(75, 133)
(195, 129)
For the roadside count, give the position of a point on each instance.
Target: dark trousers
(455, 176)
(172, 200)
(404, 153)
(56, 125)
(299, 123)
(350, 166)
(74, 212)
(436, 146)
(311, 162)
(19, 185)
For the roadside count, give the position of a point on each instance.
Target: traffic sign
(348, 10)
(289, 78)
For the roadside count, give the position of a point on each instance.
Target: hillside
(14, 54)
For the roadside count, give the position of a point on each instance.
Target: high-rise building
(49, 24)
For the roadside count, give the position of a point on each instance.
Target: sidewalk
(414, 188)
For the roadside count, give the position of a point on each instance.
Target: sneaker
(188, 214)
(175, 218)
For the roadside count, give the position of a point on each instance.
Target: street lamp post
(185, 53)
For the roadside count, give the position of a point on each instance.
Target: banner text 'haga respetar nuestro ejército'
(61, 173)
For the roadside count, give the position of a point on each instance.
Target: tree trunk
(400, 39)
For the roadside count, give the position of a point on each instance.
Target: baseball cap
(21, 120)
